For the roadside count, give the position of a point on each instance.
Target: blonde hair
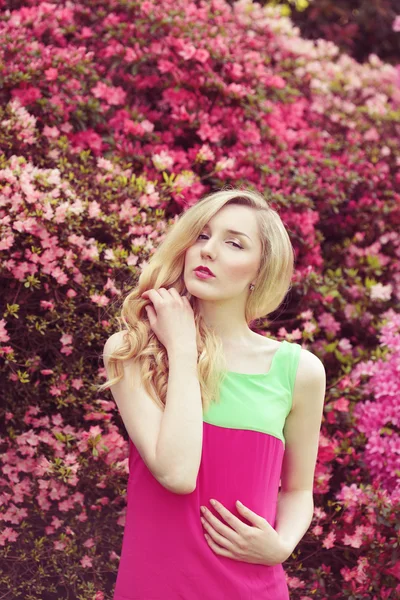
(165, 269)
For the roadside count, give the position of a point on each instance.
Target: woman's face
(234, 259)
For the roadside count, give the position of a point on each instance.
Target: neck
(226, 320)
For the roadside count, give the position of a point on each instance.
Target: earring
(251, 286)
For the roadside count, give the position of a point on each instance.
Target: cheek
(188, 257)
(240, 270)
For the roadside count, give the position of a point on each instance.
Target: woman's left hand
(257, 544)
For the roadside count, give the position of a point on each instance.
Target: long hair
(165, 269)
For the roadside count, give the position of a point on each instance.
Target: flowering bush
(359, 27)
(116, 116)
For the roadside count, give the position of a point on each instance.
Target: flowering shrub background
(113, 118)
(358, 27)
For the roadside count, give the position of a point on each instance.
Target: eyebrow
(232, 231)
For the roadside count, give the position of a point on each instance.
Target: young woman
(214, 411)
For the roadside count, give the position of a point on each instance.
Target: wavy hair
(165, 269)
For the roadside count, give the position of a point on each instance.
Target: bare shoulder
(310, 380)
(114, 342)
(116, 338)
(310, 364)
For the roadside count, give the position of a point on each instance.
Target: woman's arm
(180, 440)
(295, 500)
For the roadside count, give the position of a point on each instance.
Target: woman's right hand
(171, 318)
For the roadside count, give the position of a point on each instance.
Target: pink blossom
(77, 383)
(354, 541)
(66, 338)
(165, 66)
(319, 512)
(86, 561)
(202, 55)
(317, 530)
(162, 160)
(329, 540)
(4, 337)
(207, 132)
(60, 545)
(205, 153)
(112, 95)
(8, 534)
(327, 321)
(187, 51)
(342, 404)
(396, 23)
(147, 126)
(99, 299)
(295, 582)
(381, 292)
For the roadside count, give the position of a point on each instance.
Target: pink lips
(204, 269)
(203, 274)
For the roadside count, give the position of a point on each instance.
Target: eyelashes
(234, 243)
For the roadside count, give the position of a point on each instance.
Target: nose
(206, 250)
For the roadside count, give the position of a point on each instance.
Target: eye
(234, 243)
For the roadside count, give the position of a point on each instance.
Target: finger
(218, 538)
(163, 292)
(218, 526)
(251, 516)
(218, 549)
(145, 294)
(153, 296)
(231, 519)
(151, 314)
(175, 294)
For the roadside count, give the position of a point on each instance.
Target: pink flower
(86, 561)
(187, 52)
(381, 292)
(395, 570)
(205, 153)
(162, 160)
(295, 582)
(354, 540)
(111, 95)
(202, 55)
(341, 405)
(4, 337)
(329, 541)
(8, 534)
(396, 23)
(317, 530)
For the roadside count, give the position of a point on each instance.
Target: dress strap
(288, 361)
(293, 363)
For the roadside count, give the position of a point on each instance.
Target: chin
(194, 291)
(198, 291)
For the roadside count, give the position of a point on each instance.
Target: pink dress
(165, 555)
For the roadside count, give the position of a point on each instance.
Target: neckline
(258, 374)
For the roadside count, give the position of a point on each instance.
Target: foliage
(358, 27)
